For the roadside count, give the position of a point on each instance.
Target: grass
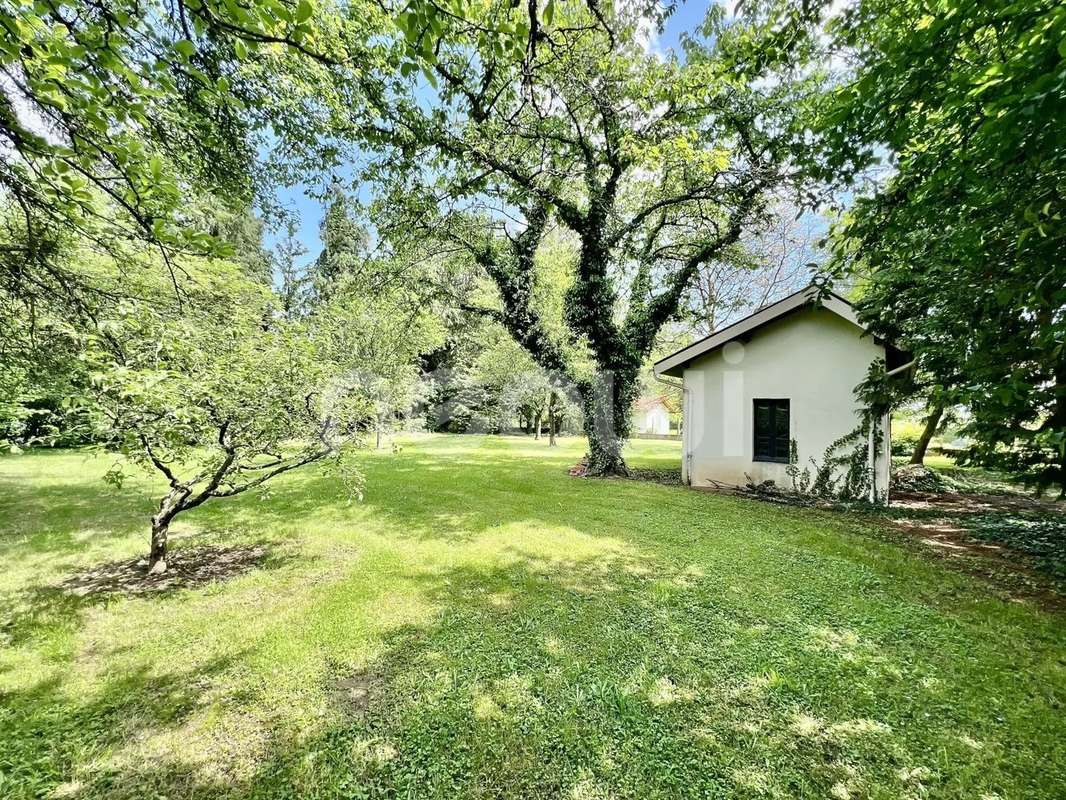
(483, 625)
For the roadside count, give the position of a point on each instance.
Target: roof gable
(646, 403)
(675, 363)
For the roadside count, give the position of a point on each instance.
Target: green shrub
(905, 436)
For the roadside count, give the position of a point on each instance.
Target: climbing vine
(844, 472)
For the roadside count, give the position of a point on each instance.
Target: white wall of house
(812, 357)
(654, 420)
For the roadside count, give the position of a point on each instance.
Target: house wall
(654, 420)
(812, 357)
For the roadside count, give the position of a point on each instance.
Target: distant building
(651, 415)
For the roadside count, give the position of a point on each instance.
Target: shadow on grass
(535, 679)
(621, 676)
(50, 738)
(39, 609)
(57, 518)
(613, 675)
(188, 567)
(625, 673)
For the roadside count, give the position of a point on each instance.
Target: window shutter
(771, 430)
(781, 437)
(763, 429)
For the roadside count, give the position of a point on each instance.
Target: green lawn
(483, 625)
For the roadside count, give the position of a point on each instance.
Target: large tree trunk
(607, 402)
(536, 425)
(931, 424)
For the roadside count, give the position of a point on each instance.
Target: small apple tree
(219, 395)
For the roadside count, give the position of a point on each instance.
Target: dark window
(771, 430)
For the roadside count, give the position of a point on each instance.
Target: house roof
(807, 297)
(650, 401)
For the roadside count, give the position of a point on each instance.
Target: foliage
(537, 397)
(844, 472)
(960, 250)
(38, 369)
(800, 478)
(905, 436)
(377, 337)
(215, 395)
(845, 469)
(1041, 536)
(237, 233)
(202, 379)
(919, 478)
(481, 379)
(558, 116)
(118, 117)
(345, 244)
(293, 281)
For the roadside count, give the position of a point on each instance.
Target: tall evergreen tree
(345, 243)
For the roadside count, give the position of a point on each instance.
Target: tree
(527, 396)
(39, 366)
(294, 280)
(932, 425)
(240, 235)
(216, 397)
(345, 244)
(762, 267)
(559, 116)
(959, 253)
(380, 335)
(116, 117)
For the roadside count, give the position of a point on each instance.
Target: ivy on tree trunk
(654, 168)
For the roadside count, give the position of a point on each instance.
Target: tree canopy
(960, 253)
(559, 116)
(118, 119)
(536, 169)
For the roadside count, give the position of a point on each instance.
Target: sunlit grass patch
(484, 625)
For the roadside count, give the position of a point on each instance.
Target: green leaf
(304, 11)
(185, 47)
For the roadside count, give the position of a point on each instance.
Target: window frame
(775, 404)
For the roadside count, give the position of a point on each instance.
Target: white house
(785, 374)
(652, 415)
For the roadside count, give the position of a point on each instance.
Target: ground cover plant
(484, 625)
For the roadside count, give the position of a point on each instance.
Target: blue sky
(308, 210)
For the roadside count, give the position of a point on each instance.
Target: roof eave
(675, 363)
